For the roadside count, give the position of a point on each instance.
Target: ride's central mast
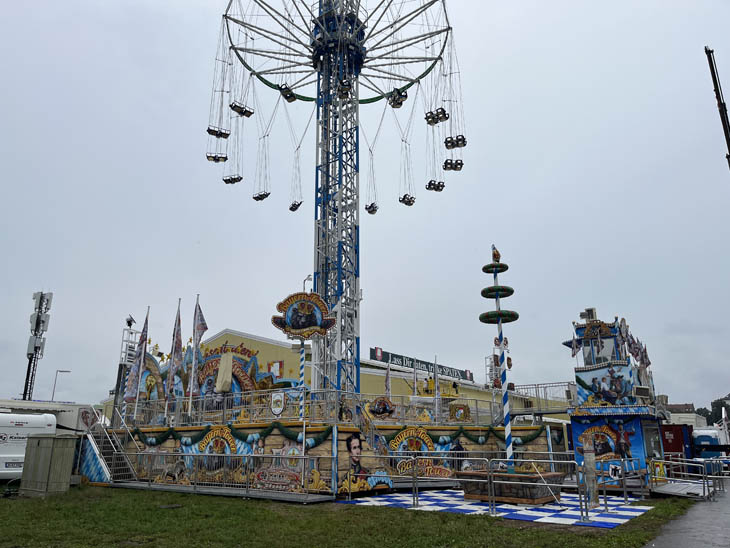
(338, 55)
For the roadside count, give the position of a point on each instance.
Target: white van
(14, 432)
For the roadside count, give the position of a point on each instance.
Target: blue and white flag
(176, 354)
(199, 328)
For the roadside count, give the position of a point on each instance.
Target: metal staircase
(111, 450)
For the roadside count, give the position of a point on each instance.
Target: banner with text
(427, 367)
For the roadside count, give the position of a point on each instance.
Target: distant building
(684, 413)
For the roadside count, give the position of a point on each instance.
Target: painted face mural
(611, 385)
(354, 449)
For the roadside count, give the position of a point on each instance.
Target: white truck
(14, 432)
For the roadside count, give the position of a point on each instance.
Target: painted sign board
(277, 403)
(611, 384)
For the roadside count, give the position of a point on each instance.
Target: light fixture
(53, 394)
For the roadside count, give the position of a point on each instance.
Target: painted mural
(611, 385)
(223, 455)
(270, 457)
(241, 373)
(614, 438)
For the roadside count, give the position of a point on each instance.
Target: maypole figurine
(499, 317)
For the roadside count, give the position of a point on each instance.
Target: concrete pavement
(705, 525)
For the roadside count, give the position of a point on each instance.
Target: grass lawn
(101, 517)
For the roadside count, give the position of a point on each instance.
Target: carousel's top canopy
(614, 369)
(387, 46)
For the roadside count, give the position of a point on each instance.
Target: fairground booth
(615, 404)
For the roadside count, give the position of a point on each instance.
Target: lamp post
(53, 394)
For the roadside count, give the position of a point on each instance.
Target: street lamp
(53, 394)
(304, 283)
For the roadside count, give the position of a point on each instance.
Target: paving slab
(705, 525)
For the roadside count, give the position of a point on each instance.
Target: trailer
(14, 432)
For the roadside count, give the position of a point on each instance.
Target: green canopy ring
(494, 316)
(493, 291)
(491, 268)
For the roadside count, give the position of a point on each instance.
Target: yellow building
(268, 363)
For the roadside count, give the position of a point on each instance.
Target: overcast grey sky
(595, 163)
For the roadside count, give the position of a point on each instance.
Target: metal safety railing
(305, 478)
(330, 406)
(289, 476)
(707, 474)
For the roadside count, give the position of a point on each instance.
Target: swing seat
(431, 119)
(232, 179)
(458, 165)
(436, 186)
(441, 114)
(218, 132)
(287, 93)
(397, 98)
(407, 199)
(294, 206)
(372, 208)
(448, 165)
(450, 143)
(261, 196)
(241, 109)
(216, 158)
(343, 89)
(460, 141)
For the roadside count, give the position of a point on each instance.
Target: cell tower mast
(37, 342)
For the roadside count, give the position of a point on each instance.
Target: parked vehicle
(14, 432)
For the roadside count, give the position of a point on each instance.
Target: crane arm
(721, 106)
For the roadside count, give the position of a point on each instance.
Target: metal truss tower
(339, 56)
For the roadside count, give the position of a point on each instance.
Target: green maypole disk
(494, 316)
(493, 291)
(491, 268)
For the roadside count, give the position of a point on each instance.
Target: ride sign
(303, 316)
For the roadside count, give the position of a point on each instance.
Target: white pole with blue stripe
(503, 377)
(301, 380)
(499, 317)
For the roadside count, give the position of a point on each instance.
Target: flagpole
(194, 367)
(171, 381)
(436, 389)
(387, 382)
(415, 378)
(141, 365)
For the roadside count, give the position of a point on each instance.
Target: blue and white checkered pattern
(566, 513)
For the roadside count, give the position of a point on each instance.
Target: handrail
(123, 422)
(100, 424)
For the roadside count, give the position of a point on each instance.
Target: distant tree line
(714, 415)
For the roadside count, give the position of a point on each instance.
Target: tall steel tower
(336, 55)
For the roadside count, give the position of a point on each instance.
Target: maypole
(499, 317)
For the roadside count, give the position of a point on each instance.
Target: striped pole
(301, 381)
(503, 377)
(499, 317)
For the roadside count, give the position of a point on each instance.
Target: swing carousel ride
(317, 62)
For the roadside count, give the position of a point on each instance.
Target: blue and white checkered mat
(565, 513)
